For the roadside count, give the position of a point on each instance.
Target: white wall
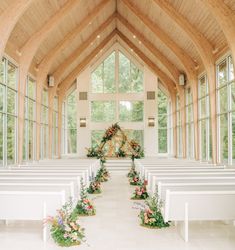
(150, 110)
(83, 110)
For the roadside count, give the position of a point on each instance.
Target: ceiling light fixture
(98, 36)
(134, 36)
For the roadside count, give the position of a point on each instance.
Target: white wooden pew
(23, 179)
(84, 172)
(30, 205)
(189, 174)
(182, 180)
(199, 206)
(29, 175)
(180, 169)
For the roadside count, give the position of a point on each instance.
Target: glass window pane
(131, 111)
(223, 138)
(103, 111)
(233, 137)
(233, 95)
(31, 133)
(203, 107)
(162, 140)
(202, 87)
(222, 73)
(97, 80)
(11, 101)
(162, 102)
(109, 74)
(31, 108)
(1, 138)
(11, 145)
(136, 76)
(231, 69)
(2, 70)
(124, 74)
(137, 135)
(203, 141)
(1, 96)
(31, 88)
(11, 75)
(72, 141)
(45, 97)
(223, 100)
(96, 136)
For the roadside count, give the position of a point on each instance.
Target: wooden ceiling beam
(203, 46)
(158, 54)
(66, 83)
(225, 17)
(47, 61)
(185, 59)
(9, 18)
(163, 76)
(58, 73)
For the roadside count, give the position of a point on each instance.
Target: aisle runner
(116, 225)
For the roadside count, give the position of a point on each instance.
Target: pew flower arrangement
(94, 187)
(65, 228)
(150, 215)
(102, 174)
(84, 206)
(140, 192)
(135, 180)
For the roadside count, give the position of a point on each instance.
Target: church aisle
(116, 227)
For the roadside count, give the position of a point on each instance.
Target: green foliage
(151, 215)
(65, 228)
(102, 174)
(94, 187)
(140, 192)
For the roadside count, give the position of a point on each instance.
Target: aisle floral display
(150, 214)
(135, 180)
(84, 206)
(126, 148)
(132, 172)
(140, 192)
(102, 174)
(65, 228)
(94, 187)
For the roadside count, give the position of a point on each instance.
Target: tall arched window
(30, 121)
(189, 125)
(112, 82)
(72, 122)
(226, 111)
(162, 122)
(8, 112)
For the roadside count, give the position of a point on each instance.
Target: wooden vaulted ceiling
(151, 28)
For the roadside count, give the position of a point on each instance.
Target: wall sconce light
(82, 122)
(151, 121)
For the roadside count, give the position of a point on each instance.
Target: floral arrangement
(135, 180)
(132, 172)
(65, 228)
(138, 152)
(94, 187)
(110, 132)
(140, 192)
(98, 152)
(150, 214)
(84, 206)
(102, 174)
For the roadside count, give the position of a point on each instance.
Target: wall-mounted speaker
(181, 79)
(51, 81)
